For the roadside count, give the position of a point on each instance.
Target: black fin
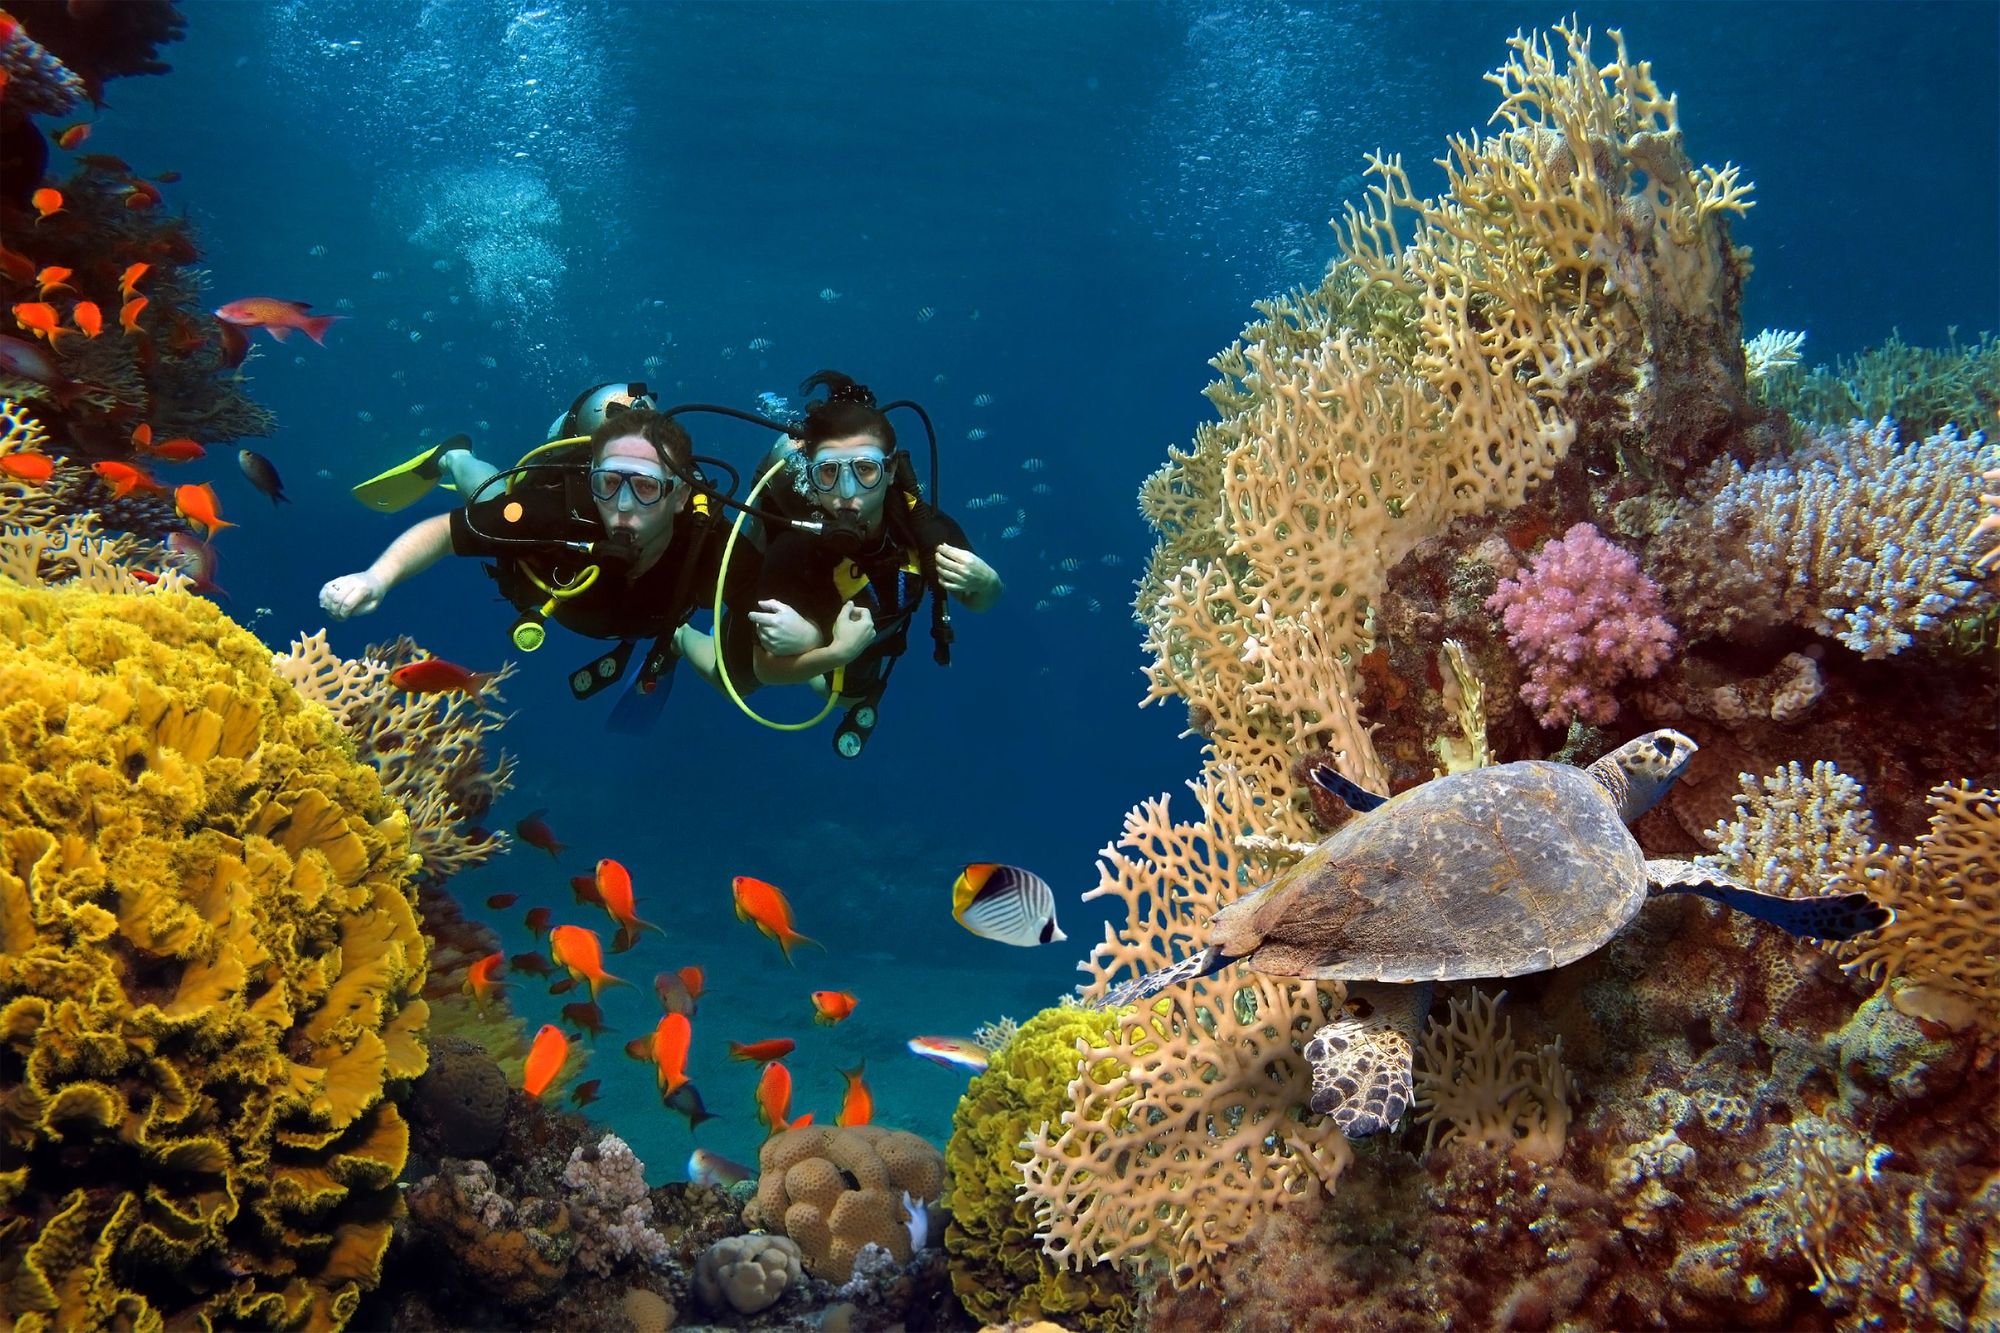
(1358, 799)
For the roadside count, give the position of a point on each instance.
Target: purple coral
(1582, 617)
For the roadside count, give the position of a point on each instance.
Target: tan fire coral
(1473, 1082)
(834, 1190)
(1193, 1127)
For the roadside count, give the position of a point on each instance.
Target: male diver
(612, 538)
(842, 601)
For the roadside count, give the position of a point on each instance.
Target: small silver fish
(760, 344)
(1061, 590)
(1032, 465)
(828, 294)
(1070, 563)
(951, 1052)
(1007, 904)
(1009, 533)
(712, 1168)
(925, 314)
(975, 434)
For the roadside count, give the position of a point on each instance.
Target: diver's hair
(665, 434)
(847, 409)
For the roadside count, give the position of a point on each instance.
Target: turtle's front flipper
(1838, 916)
(1208, 961)
(1361, 1066)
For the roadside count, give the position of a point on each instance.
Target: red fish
(614, 890)
(667, 1049)
(586, 1015)
(857, 1107)
(87, 317)
(586, 1093)
(142, 436)
(235, 345)
(830, 1006)
(563, 987)
(197, 504)
(692, 978)
(125, 478)
(434, 675)
(535, 831)
(545, 1059)
(277, 318)
(107, 163)
(482, 979)
(762, 1052)
(140, 195)
(72, 136)
(16, 266)
(578, 949)
(24, 360)
(585, 889)
(128, 314)
(51, 278)
(47, 202)
(764, 906)
(774, 1099)
(537, 920)
(180, 449)
(128, 281)
(532, 963)
(500, 902)
(28, 466)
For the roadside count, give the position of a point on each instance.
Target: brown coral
(834, 1190)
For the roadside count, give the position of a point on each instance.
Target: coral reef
(1474, 1083)
(998, 1271)
(835, 1190)
(517, 1252)
(1924, 388)
(460, 1103)
(747, 1273)
(609, 1206)
(209, 965)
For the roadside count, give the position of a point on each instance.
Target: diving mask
(850, 475)
(645, 487)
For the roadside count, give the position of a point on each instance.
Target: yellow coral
(209, 965)
(833, 1190)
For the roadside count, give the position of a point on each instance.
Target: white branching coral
(1771, 351)
(1793, 830)
(1867, 533)
(1474, 1083)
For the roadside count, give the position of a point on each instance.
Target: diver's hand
(965, 575)
(352, 595)
(853, 631)
(782, 631)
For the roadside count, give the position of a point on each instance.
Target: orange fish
(545, 1059)
(668, 1049)
(34, 467)
(692, 978)
(277, 318)
(614, 890)
(197, 504)
(762, 1052)
(180, 449)
(47, 202)
(128, 314)
(764, 906)
(53, 277)
(142, 436)
(73, 136)
(126, 478)
(434, 675)
(858, 1106)
(40, 317)
(577, 949)
(774, 1099)
(128, 281)
(140, 195)
(482, 978)
(830, 1006)
(88, 318)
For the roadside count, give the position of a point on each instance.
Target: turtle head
(1638, 773)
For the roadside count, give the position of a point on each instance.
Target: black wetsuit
(885, 578)
(649, 606)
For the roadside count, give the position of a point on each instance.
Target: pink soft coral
(1581, 618)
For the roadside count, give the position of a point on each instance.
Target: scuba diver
(842, 601)
(613, 536)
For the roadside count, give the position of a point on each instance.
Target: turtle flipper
(1836, 916)
(1361, 1066)
(1205, 963)
(1359, 799)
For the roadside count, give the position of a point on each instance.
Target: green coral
(209, 977)
(1921, 388)
(997, 1267)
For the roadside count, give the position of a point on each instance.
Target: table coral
(834, 1190)
(209, 963)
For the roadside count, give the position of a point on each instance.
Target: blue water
(519, 200)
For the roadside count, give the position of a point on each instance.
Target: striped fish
(1007, 904)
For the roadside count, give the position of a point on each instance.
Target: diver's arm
(965, 576)
(420, 547)
(853, 631)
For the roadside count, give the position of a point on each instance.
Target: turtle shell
(1497, 872)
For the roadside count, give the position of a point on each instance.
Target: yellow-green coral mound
(997, 1265)
(209, 964)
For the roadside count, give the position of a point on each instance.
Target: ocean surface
(1040, 221)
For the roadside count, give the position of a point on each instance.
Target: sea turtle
(1497, 872)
